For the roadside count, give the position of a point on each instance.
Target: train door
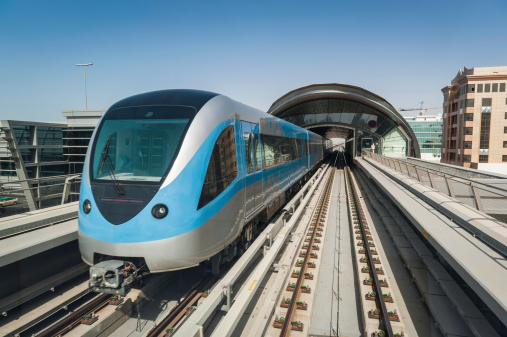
(253, 177)
(250, 173)
(258, 165)
(307, 150)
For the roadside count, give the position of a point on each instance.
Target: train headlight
(87, 206)
(159, 211)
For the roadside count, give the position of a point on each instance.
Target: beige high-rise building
(474, 131)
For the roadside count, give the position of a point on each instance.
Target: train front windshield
(139, 144)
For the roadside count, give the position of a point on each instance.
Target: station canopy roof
(336, 110)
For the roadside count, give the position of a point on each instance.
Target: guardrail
(454, 170)
(486, 198)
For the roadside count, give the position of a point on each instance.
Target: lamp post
(84, 68)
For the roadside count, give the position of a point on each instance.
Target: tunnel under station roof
(351, 113)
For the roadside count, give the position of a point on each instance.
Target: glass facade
(429, 135)
(75, 145)
(49, 135)
(51, 157)
(23, 134)
(395, 144)
(368, 122)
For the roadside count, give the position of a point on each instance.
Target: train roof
(184, 97)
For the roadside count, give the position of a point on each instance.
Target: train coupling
(113, 277)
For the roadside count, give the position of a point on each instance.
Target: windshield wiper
(104, 155)
(120, 189)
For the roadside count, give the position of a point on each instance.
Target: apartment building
(475, 119)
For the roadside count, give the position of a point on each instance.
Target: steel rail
(175, 313)
(74, 319)
(359, 215)
(244, 297)
(290, 311)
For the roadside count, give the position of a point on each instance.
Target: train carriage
(173, 178)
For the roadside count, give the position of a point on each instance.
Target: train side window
(285, 151)
(268, 151)
(297, 152)
(248, 148)
(222, 167)
(257, 150)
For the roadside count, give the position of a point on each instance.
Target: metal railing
(64, 187)
(454, 170)
(485, 197)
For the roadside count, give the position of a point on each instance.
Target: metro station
(315, 218)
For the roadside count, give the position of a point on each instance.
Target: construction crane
(421, 108)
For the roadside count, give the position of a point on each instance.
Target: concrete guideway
(19, 223)
(37, 241)
(18, 247)
(25, 240)
(426, 297)
(480, 266)
(440, 294)
(468, 212)
(260, 321)
(44, 310)
(336, 305)
(375, 296)
(142, 308)
(276, 235)
(298, 266)
(34, 232)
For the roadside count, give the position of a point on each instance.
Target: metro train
(174, 178)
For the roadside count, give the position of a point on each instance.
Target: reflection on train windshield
(136, 149)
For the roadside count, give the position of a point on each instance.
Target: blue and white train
(173, 178)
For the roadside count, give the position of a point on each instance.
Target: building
(41, 162)
(350, 113)
(475, 119)
(428, 131)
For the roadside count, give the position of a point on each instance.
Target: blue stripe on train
(182, 196)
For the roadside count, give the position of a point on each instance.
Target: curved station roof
(348, 112)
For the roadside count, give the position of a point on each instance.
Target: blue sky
(251, 51)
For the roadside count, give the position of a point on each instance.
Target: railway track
(309, 251)
(84, 315)
(365, 245)
(91, 311)
(186, 307)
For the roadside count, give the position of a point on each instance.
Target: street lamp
(84, 68)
